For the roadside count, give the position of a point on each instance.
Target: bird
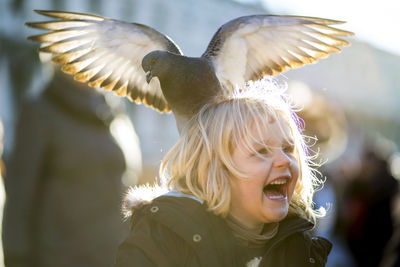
(140, 63)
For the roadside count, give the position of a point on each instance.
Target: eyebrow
(289, 141)
(285, 141)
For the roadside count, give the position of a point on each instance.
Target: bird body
(187, 82)
(138, 62)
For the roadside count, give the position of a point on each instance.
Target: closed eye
(263, 151)
(288, 148)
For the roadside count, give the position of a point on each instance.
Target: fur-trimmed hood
(141, 195)
(138, 196)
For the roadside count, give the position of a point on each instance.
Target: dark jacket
(179, 231)
(63, 183)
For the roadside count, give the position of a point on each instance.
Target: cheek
(295, 172)
(236, 188)
(246, 189)
(255, 167)
(261, 167)
(294, 167)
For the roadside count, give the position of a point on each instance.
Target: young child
(241, 191)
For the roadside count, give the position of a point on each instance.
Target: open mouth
(277, 189)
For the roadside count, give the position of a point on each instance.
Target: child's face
(256, 201)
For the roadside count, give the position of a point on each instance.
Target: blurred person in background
(365, 217)
(63, 185)
(2, 172)
(2, 167)
(391, 255)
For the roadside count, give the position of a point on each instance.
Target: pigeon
(146, 66)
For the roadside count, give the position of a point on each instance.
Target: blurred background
(350, 102)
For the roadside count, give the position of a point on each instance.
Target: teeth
(276, 197)
(279, 181)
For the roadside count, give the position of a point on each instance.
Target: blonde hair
(201, 162)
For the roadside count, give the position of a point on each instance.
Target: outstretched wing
(105, 53)
(250, 47)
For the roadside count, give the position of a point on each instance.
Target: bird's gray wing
(105, 53)
(250, 47)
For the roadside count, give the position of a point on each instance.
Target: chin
(276, 215)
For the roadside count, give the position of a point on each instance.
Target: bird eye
(153, 61)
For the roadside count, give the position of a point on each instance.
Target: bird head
(150, 64)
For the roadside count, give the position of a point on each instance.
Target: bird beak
(149, 76)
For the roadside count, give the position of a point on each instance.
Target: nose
(281, 159)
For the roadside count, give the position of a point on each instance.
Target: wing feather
(70, 56)
(104, 52)
(271, 45)
(58, 25)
